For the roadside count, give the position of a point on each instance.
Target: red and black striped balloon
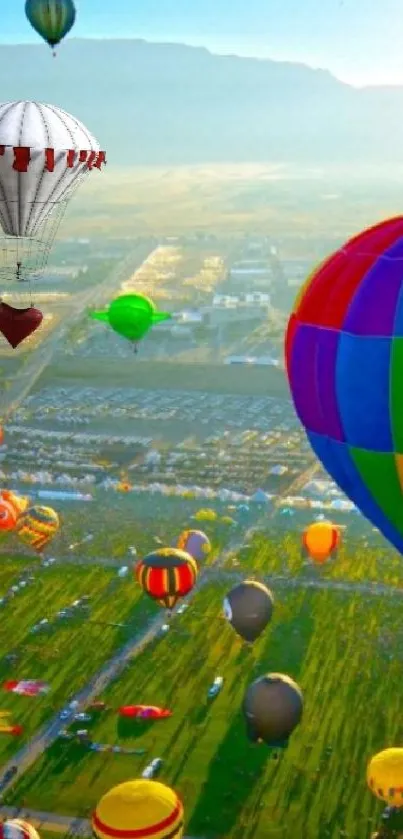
(166, 575)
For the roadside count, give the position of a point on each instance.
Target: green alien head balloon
(131, 315)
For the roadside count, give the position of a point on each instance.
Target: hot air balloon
(385, 776)
(249, 607)
(273, 707)
(166, 575)
(37, 526)
(45, 153)
(143, 809)
(320, 541)
(8, 516)
(144, 712)
(344, 357)
(51, 19)
(19, 502)
(132, 316)
(18, 324)
(195, 543)
(17, 829)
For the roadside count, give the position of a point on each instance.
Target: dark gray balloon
(249, 607)
(273, 707)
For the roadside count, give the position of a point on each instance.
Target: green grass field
(355, 562)
(344, 650)
(169, 375)
(69, 653)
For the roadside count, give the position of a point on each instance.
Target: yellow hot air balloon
(37, 526)
(385, 776)
(143, 809)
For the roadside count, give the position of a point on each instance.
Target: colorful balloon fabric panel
(344, 357)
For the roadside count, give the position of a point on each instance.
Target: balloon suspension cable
(21, 279)
(135, 347)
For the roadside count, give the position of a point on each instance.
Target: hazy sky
(360, 41)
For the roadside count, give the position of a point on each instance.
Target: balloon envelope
(273, 707)
(344, 357)
(8, 515)
(17, 828)
(45, 154)
(249, 607)
(131, 315)
(320, 540)
(196, 543)
(17, 324)
(166, 575)
(141, 808)
(51, 19)
(37, 526)
(385, 776)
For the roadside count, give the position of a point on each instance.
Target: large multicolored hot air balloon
(51, 19)
(385, 776)
(37, 526)
(344, 357)
(142, 809)
(320, 541)
(166, 575)
(196, 543)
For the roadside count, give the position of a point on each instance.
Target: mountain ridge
(169, 104)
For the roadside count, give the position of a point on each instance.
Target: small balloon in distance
(320, 541)
(18, 324)
(194, 542)
(51, 19)
(167, 574)
(249, 607)
(131, 316)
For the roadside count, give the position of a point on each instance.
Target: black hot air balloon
(249, 607)
(273, 707)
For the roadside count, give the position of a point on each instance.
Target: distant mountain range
(168, 104)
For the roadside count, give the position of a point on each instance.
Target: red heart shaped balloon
(17, 324)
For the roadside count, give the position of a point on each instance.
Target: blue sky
(360, 41)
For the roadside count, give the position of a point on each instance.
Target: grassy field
(68, 653)
(154, 375)
(355, 562)
(231, 198)
(344, 652)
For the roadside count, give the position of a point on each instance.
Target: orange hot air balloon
(320, 541)
(8, 515)
(19, 502)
